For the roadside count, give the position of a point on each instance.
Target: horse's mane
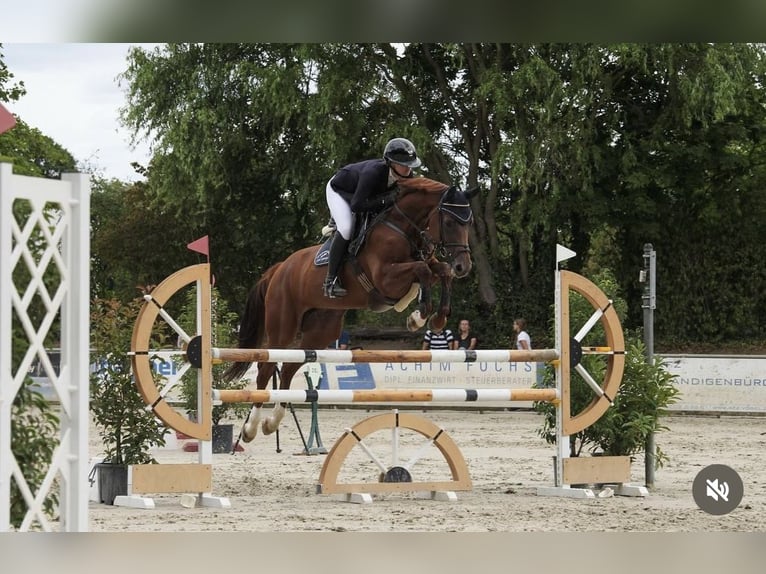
(413, 184)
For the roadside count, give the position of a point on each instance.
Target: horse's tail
(252, 326)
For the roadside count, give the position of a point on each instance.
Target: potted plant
(128, 431)
(223, 335)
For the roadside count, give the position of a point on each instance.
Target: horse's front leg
(419, 316)
(250, 428)
(271, 423)
(445, 274)
(399, 276)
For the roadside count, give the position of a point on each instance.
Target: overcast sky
(73, 97)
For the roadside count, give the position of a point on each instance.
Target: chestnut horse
(399, 258)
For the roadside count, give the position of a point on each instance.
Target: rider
(359, 187)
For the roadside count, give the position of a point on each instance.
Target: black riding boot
(332, 287)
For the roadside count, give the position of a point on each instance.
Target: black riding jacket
(363, 185)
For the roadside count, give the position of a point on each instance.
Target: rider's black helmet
(401, 151)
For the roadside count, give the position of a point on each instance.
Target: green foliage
(9, 92)
(644, 396)
(223, 335)
(33, 153)
(599, 147)
(133, 241)
(126, 428)
(34, 430)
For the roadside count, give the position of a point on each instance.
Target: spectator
(342, 342)
(523, 341)
(438, 340)
(465, 339)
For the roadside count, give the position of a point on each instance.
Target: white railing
(44, 233)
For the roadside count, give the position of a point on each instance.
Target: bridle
(426, 246)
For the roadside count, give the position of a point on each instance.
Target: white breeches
(340, 211)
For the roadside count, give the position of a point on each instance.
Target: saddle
(362, 225)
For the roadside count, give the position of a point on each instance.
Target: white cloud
(73, 96)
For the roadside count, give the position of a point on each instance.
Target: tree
(134, 242)
(33, 153)
(563, 140)
(9, 92)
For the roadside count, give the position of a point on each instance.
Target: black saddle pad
(323, 255)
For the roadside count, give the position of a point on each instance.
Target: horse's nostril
(461, 268)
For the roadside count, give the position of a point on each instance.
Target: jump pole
(332, 396)
(373, 356)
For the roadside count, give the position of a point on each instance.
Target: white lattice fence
(44, 266)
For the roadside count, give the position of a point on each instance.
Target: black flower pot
(112, 481)
(223, 438)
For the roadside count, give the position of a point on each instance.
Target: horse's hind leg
(271, 423)
(319, 328)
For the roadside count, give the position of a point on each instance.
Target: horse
(401, 255)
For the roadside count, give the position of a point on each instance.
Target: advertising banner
(719, 383)
(478, 375)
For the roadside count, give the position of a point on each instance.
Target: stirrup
(333, 289)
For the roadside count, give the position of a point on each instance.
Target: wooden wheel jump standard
(195, 349)
(571, 352)
(396, 477)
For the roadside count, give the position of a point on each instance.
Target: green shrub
(126, 428)
(34, 431)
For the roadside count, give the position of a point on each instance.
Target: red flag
(7, 121)
(201, 245)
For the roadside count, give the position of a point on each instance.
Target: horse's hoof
(247, 437)
(437, 326)
(415, 321)
(266, 428)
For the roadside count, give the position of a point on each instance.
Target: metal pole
(648, 303)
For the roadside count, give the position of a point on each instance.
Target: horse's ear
(471, 192)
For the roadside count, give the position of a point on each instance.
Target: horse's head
(441, 215)
(454, 217)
